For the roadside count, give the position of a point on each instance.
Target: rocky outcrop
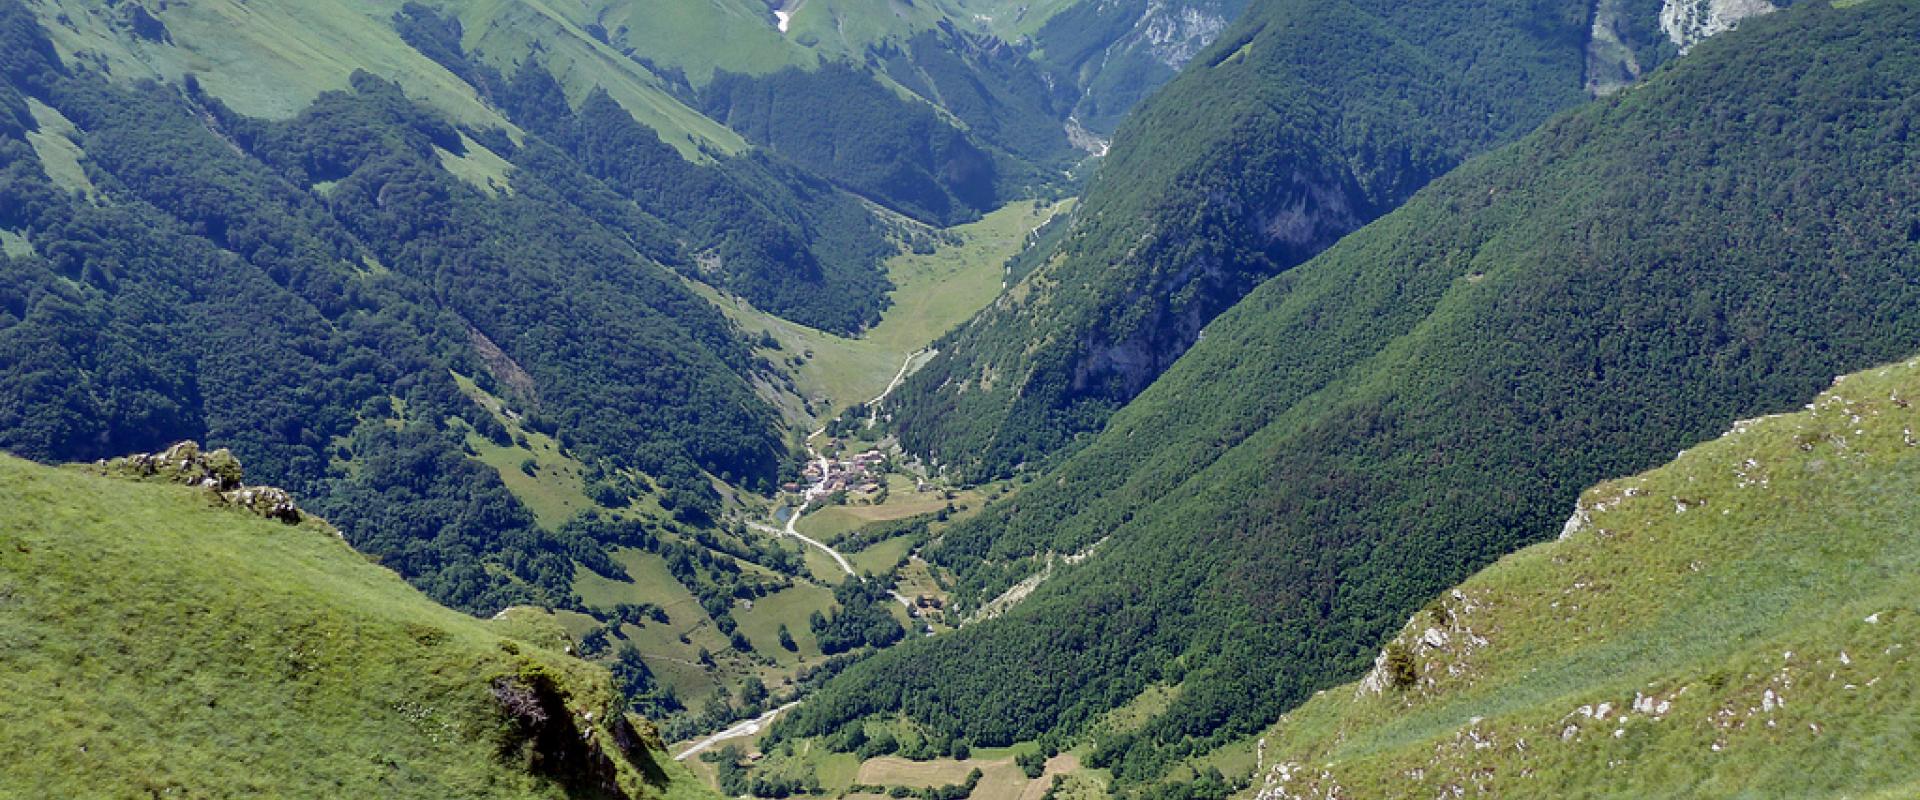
(182, 463)
(147, 26)
(1437, 643)
(1174, 35)
(267, 501)
(576, 747)
(1288, 220)
(218, 472)
(1688, 22)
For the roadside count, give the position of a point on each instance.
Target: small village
(860, 476)
(860, 472)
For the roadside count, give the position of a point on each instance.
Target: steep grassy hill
(1432, 392)
(1739, 622)
(271, 59)
(1303, 122)
(155, 644)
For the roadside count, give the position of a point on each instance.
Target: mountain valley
(1170, 400)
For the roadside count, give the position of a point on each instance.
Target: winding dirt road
(746, 728)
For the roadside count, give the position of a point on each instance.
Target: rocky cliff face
(1290, 221)
(1175, 33)
(1688, 22)
(1116, 52)
(551, 734)
(1611, 62)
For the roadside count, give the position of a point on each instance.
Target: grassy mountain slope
(1430, 393)
(271, 59)
(1740, 620)
(813, 257)
(154, 644)
(1306, 120)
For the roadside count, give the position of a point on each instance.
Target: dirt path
(900, 376)
(845, 565)
(747, 728)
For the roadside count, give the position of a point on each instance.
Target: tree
(753, 692)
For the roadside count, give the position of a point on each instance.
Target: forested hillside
(1432, 392)
(939, 113)
(1305, 121)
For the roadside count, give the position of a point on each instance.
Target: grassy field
(937, 291)
(1140, 710)
(880, 558)
(823, 568)
(59, 155)
(651, 583)
(1072, 786)
(835, 771)
(791, 607)
(832, 522)
(153, 644)
(932, 294)
(15, 245)
(830, 372)
(674, 661)
(916, 580)
(267, 58)
(1743, 617)
(999, 777)
(479, 167)
(698, 38)
(556, 490)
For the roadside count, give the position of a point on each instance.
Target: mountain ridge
(1303, 122)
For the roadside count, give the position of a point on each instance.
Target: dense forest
(837, 121)
(1303, 122)
(1005, 138)
(302, 291)
(1369, 428)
